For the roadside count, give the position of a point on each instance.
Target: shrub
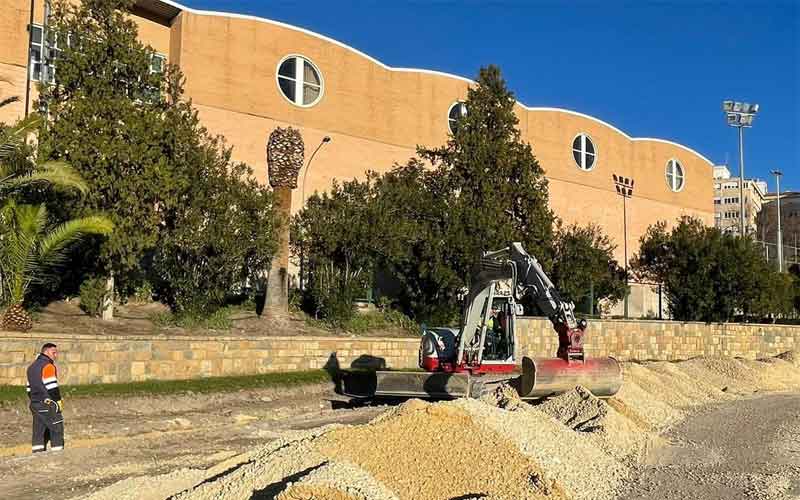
(93, 292)
(220, 319)
(143, 293)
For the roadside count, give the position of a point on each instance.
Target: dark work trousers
(48, 424)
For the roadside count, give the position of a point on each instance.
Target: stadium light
(740, 115)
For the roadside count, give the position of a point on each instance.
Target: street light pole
(742, 227)
(740, 115)
(624, 187)
(325, 140)
(778, 174)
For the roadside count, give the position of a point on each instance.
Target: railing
(791, 253)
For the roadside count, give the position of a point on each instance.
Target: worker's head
(50, 350)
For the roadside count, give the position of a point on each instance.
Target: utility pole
(778, 174)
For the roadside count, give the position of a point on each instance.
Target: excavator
(471, 360)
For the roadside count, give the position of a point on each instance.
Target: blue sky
(653, 69)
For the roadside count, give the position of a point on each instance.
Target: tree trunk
(108, 300)
(276, 302)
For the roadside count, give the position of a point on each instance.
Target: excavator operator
(495, 333)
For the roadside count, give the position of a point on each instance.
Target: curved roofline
(417, 70)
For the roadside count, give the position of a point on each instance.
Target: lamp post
(740, 115)
(624, 187)
(324, 141)
(778, 174)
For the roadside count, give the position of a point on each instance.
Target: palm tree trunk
(277, 293)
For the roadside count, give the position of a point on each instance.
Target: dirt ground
(747, 448)
(110, 440)
(704, 428)
(135, 319)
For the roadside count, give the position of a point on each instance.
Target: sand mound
(437, 445)
(573, 446)
(578, 409)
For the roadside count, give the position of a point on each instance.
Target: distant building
(790, 226)
(727, 207)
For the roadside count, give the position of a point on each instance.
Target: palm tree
(16, 175)
(31, 250)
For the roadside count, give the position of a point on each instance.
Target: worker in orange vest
(46, 404)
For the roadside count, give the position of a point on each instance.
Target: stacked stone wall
(87, 359)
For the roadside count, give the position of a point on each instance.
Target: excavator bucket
(544, 377)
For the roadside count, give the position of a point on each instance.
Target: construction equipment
(468, 361)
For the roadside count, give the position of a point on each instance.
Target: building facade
(248, 75)
(767, 231)
(727, 207)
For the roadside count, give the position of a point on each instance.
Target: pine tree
(496, 189)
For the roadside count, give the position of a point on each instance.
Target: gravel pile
(578, 409)
(574, 446)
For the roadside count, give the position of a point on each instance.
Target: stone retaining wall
(97, 358)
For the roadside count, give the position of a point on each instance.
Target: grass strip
(10, 393)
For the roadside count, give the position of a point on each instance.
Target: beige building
(727, 207)
(247, 75)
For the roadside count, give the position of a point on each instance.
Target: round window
(674, 174)
(583, 151)
(300, 81)
(457, 110)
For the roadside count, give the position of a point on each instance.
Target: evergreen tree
(105, 118)
(185, 216)
(495, 189)
(711, 276)
(584, 263)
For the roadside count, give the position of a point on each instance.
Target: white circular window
(300, 81)
(457, 110)
(583, 151)
(674, 174)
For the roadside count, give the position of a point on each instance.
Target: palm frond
(53, 245)
(59, 174)
(20, 230)
(14, 136)
(9, 100)
(28, 250)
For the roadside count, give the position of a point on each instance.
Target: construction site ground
(707, 428)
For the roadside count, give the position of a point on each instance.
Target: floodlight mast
(778, 174)
(740, 115)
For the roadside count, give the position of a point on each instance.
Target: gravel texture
(573, 446)
(578, 409)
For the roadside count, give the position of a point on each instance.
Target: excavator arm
(532, 279)
(527, 277)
